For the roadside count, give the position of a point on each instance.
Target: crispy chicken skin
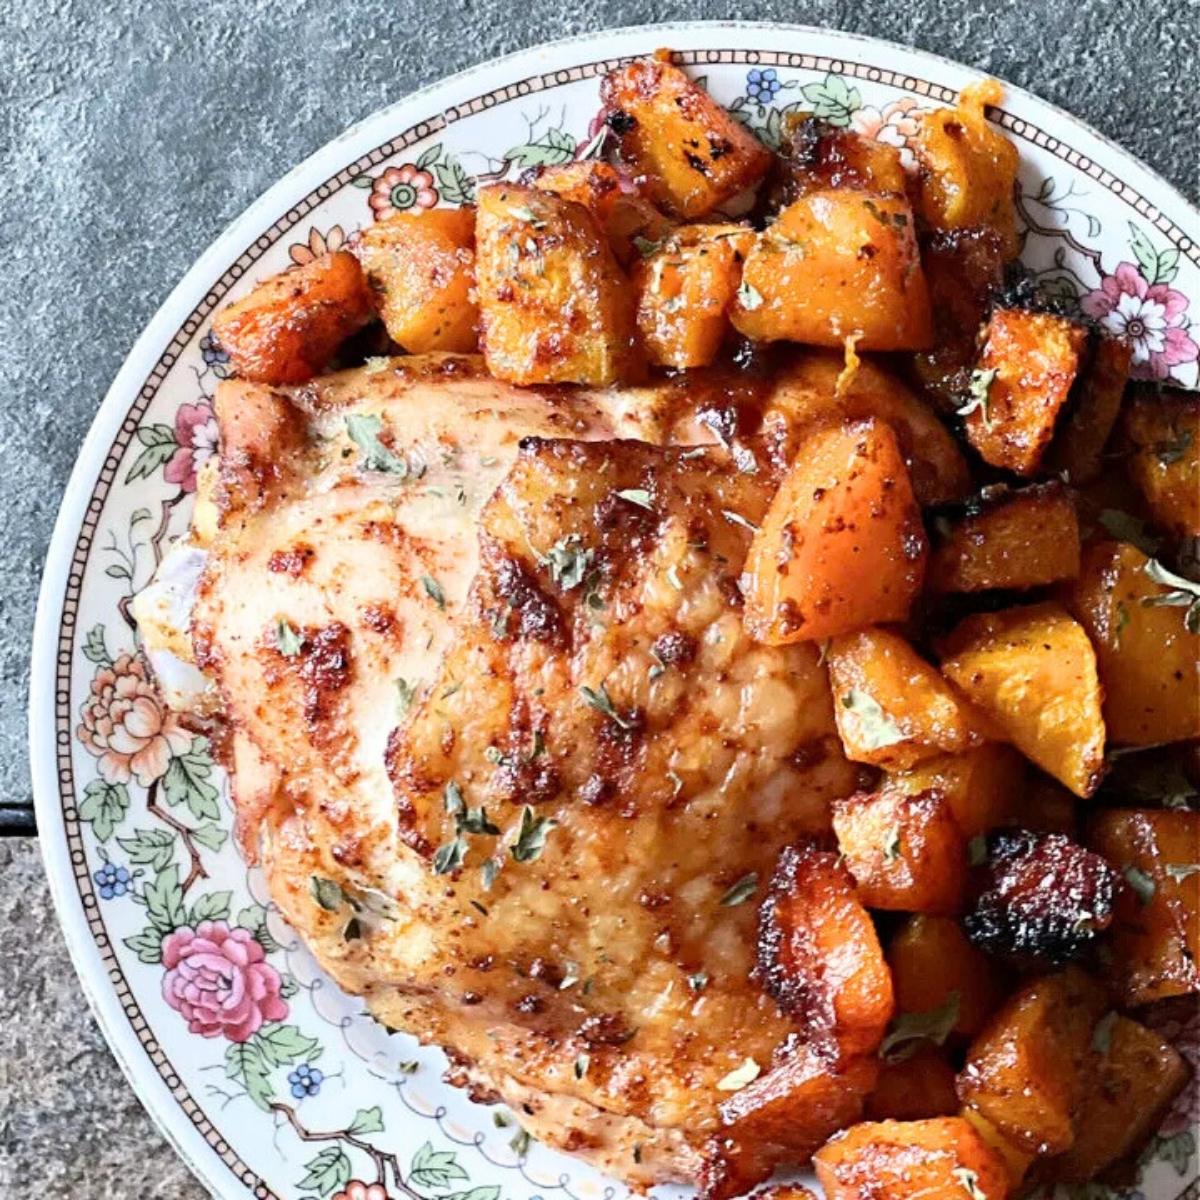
(511, 764)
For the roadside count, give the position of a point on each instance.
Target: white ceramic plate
(134, 819)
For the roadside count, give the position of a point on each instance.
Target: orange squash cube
(1164, 433)
(983, 787)
(920, 1087)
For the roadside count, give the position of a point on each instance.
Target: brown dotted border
(183, 336)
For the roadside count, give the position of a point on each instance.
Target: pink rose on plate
(357, 1190)
(196, 442)
(1149, 316)
(893, 125)
(126, 727)
(219, 981)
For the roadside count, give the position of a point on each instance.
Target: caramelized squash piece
(421, 266)
(1016, 1160)
(782, 1117)
(1149, 660)
(968, 168)
(1165, 464)
(940, 1159)
(1155, 937)
(983, 787)
(1026, 370)
(931, 958)
(1042, 899)
(631, 224)
(685, 289)
(819, 955)
(815, 155)
(836, 264)
(1030, 1069)
(289, 327)
(1007, 539)
(1032, 670)
(1081, 438)
(905, 852)
(920, 1087)
(555, 306)
(842, 545)
(894, 709)
(693, 154)
(814, 386)
(1139, 1076)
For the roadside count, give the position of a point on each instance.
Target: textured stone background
(130, 135)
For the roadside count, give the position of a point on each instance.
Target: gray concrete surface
(130, 135)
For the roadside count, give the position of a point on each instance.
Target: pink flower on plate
(196, 441)
(125, 726)
(357, 1190)
(402, 188)
(893, 124)
(218, 980)
(319, 244)
(1149, 316)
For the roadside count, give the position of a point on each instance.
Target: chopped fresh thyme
(1184, 593)
(741, 891)
(739, 1077)
(749, 297)
(1127, 528)
(1141, 883)
(600, 700)
(738, 519)
(405, 694)
(970, 1183)
(910, 1029)
(979, 394)
(364, 430)
(581, 1065)
(327, 893)
(287, 640)
(891, 848)
(450, 856)
(638, 496)
(977, 850)
(569, 562)
(523, 212)
(1181, 871)
(433, 590)
(1102, 1034)
(875, 728)
(531, 836)
(698, 981)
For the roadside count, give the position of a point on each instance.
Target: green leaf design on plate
(211, 837)
(94, 649)
(833, 100)
(164, 900)
(214, 906)
(328, 1171)
(283, 1045)
(245, 1064)
(147, 945)
(435, 1168)
(187, 782)
(367, 1120)
(103, 807)
(554, 147)
(455, 185)
(153, 848)
(160, 444)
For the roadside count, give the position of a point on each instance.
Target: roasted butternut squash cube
(1092, 415)
(1164, 433)
(905, 852)
(836, 264)
(421, 266)
(940, 1159)
(819, 955)
(1155, 936)
(1007, 539)
(814, 154)
(842, 545)
(968, 168)
(693, 154)
(894, 709)
(931, 958)
(920, 1087)
(1148, 657)
(1016, 1161)
(1029, 1071)
(1139, 1075)
(1032, 671)
(685, 288)
(983, 787)
(1025, 373)
(782, 1117)
(594, 184)
(554, 305)
(815, 386)
(632, 224)
(289, 327)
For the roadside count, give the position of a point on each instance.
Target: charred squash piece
(1095, 406)
(1139, 1076)
(1029, 1071)
(983, 787)
(931, 960)
(816, 155)
(894, 709)
(1042, 899)
(685, 289)
(1007, 539)
(289, 327)
(836, 264)
(782, 1117)
(905, 852)
(1164, 434)
(968, 169)
(842, 545)
(421, 266)
(554, 304)
(1032, 670)
(1147, 656)
(920, 1087)
(1155, 937)
(693, 154)
(819, 955)
(1026, 370)
(939, 1159)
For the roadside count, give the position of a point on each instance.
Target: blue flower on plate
(215, 355)
(112, 881)
(305, 1081)
(762, 86)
